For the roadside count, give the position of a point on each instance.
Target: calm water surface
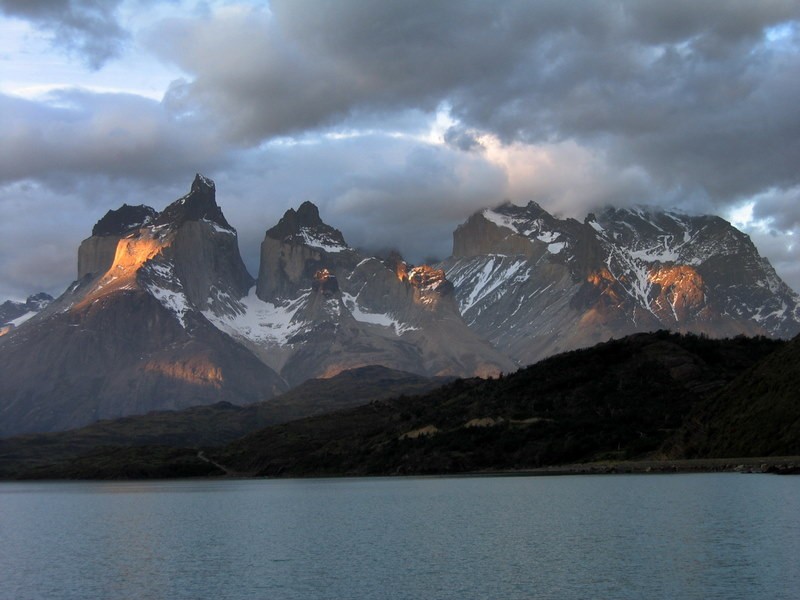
(664, 536)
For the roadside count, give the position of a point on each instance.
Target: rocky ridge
(164, 315)
(320, 307)
(535, 285)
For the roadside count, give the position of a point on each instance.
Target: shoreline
(776, 465)
(779, 465)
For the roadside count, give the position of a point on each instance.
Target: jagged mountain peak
(308, 214)
(305, 226)
(531, 209)
(644, 214)
(38, 301)
(123, 220)
(199, 204)
(13, 313)
(187, 256)
(297, 247)
(511, 229)
(669, 235)
(202, 182)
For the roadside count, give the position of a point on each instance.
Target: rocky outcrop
(96, 253)
(323, 307)
(535, 285)
(130, 336)
(299, 246)
(123, 220)
(199, 204)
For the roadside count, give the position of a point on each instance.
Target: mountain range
(535, 285)
(164, 315)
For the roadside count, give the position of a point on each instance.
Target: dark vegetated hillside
(621, 399)
(212, 425)
(757, 414)
(143, 462)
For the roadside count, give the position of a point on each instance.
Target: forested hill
(618, 400)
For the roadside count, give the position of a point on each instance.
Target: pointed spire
(200, 203)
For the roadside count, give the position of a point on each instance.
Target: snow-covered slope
(534, 285)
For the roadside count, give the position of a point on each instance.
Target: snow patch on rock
(383, 319)
(261, 322)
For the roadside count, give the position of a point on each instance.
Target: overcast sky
(398, 119)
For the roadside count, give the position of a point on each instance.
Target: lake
(701, 536)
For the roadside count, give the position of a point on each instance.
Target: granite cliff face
(96, 253)
(320, 307)
(129, 335)
(535, 285)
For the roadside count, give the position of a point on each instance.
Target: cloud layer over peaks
(400, 118)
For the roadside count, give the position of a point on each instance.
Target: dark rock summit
(126, 218)
(295, 249)
(305, 221)
(199, 204)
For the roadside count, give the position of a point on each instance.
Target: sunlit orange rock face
(131, 254)
(198, 370)
(401, 269)
(678, 292)
(425, 276)
(429, 285)
(325, 282)
(604, 281)
(675, 293)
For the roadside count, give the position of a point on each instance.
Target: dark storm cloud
(380, 191)
(779, 210)
(88, 28)
(690, 91)
(690, 104)
(74, 133)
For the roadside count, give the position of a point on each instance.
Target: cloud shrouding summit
(401, 118)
